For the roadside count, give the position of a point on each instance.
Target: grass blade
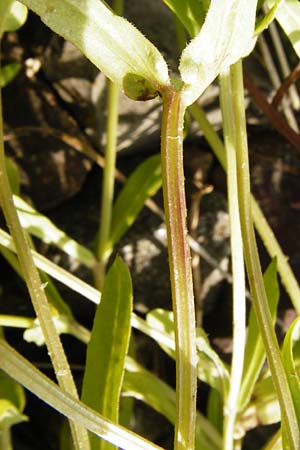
(255, 353)
(26, 374)
(290, 366)
(142, 184)
(41, 227)
(143, 385)
(108, 346)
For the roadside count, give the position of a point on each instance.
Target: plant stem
(16, 321)
(259, 298)
(36, 290)
(104, 245)
(237, 261)
(287, 277)
(180, 268)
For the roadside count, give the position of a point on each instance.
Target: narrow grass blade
(12, 402)
(41, 227)
(142, 184)
(108, 346)
(289, 364)
(55, 271)
(26, 374)
(144, 386)
(211, 369)
(255, 354)
(268, 18)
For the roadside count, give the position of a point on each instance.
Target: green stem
(255, 277)
(16, 321)
(5, 439)
(180, 268)
(237, 261)
(287, 277)
(104, 244)
(36, 290)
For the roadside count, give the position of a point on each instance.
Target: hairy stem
(180, 268)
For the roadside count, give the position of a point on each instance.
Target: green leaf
(12, 391)
(292, 335)
(144, 386)
(108, 346)
(142, 184)
(12, 15)
(55, 271)
(264, 410)
(226, 36)
(41, 227)
(8, 73)
(190, 12)
(115, 46)
(288, 16)
(211, 369)
(13, 175)
(254, 352)
(12, 402)
(268, 18)
(215, 409)
(30, 377)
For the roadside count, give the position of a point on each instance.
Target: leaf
(55, 271)
(9, 72)
(289, 364)
(211, 369)
(226, 36)
(254, 352)
(41, 227)
(190, 12)
(108, 346)
(267, 19)
(34, 380)
(144, 386)
(142, 184)
(215, 409)
(12, 15)
(265, 408)
(12, 402)
(288, 16)
(13, 175)
(115, 46)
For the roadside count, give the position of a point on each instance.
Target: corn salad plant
(221, 34)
